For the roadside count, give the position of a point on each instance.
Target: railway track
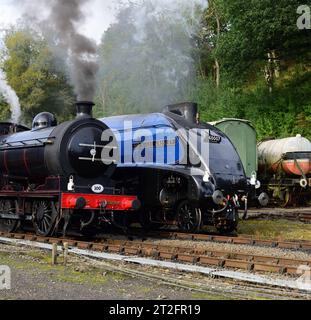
(300, 245)
(302, 214)
(304, 217)
(187, 255)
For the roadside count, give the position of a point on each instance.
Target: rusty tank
(290, 155)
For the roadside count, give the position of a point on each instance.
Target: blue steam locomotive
(185, 173)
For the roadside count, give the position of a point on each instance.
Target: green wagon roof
(231, 119)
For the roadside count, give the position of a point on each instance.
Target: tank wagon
(283, 166)
(53, 176)
(173, 189)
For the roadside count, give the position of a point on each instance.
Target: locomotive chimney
(187, 110)
(85, 109)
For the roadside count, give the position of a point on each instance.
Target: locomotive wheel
(189, 217)
(44, 216)
(8, 207)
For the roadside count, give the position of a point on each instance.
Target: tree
(263, 72)
(262, 33)
(4, 109)
(214, 25)
(36, 76)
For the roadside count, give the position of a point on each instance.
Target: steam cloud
(11, 98)
(149, 52)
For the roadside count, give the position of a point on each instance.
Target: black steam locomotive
(53, 176)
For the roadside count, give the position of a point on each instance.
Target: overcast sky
(100, 15)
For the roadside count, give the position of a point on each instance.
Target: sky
(101, 14)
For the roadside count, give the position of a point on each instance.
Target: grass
(90, 277)
(145, 290)
(70, 274)
(279, 229)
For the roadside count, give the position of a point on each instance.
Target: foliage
(285, 112)
(35, 75)
(247, 60)
(275, 93)
(256, 28)
(4, 109)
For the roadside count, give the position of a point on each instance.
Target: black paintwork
(55, 151)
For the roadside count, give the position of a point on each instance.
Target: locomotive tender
(53, 176)
(185, 173)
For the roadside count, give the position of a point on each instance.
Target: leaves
(4, 109)
(237, 35)
(249, 31)
(35, 75)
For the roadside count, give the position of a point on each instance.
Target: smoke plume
(59, 21)
(11, 98)
(79, 51)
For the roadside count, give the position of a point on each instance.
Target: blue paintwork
(160, 129)
(223, 157)
(223, 163)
